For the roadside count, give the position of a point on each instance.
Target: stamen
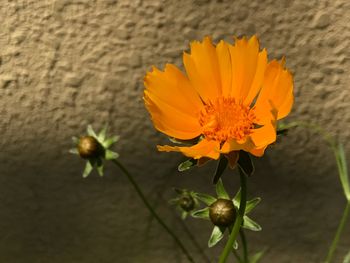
(225, 119)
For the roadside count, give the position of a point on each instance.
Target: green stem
(239, 219)
(245, 246)
(338, 233)
(152, 211)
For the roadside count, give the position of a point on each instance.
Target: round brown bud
(88, 147)
(186, 203)
(222, 212)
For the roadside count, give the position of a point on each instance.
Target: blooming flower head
(229, 100)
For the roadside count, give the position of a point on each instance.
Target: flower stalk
(152, 211)
(239, 219)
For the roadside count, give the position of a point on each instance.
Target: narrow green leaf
(222, 164)
(237, 199)
(347, 258)
(235, 245)
(186, 165)
(88, 168)
(251, 204)
(257, 256)
(109, 155)
(343, 171)
(202, 213)
(220, 190)
(207, 199)
(245, 163)
(90, 131)
(251, 224)
(216, 236)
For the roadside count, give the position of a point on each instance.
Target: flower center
(225, 119)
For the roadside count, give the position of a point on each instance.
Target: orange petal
(233, 145)
(265, 135)
(277, 91)
(204, 148)
(170, 120)
(202, 68)
(248, 67)
(224, 59)
(173, 88)
(258, 152)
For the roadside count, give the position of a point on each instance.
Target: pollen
(225, 119)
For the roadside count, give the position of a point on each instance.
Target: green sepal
(109, 141)
(184, 142)
(90, 131)
(251, 204)
(257, 256)
(202, 213)
(245, 163)
(99, 166)
(222, 164)
(88, 168)
(216, 235)
(237, 199)
(186, 165)
(220, 190)
(109, 155)
(74, 151)
(207, 199)
(184, 215)
(102, 133)
(235, 245)
(347, 258)
(251, 224)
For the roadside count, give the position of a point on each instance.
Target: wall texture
(67, 63)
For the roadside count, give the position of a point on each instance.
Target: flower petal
(248, 67)
(203, 69)
(277, 91)
(170, 120)
(172, 87)
(233, 145)
(265, 135)
(204, 148)
(224, 59)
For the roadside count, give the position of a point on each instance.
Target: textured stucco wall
(66, 63)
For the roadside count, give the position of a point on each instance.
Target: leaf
(220, 190)
(251, 224)
(202, 213)
(222, 164)
(90, 131)
(235, 245)
(237, 199)
(347, 258)
(216, 236)
(251, 204)
(245, 163)
(186, 165)
(88, 168)
(343, 170)
(109, 155)
(257, 256)
(207, 199)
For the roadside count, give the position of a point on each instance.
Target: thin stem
(152, 211)
(338, 233)
(245, 246)
(239, 219)
(237, 256)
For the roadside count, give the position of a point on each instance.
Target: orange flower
(230, 99)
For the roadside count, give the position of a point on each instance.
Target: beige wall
(66, 63)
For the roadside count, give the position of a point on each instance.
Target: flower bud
(187, 203)
(88, 147)
(222, 212)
